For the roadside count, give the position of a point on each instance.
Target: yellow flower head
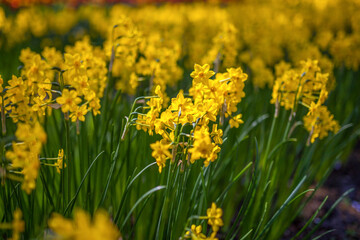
(217, 134)
(195, 233)
(202, 144)
(202, 73)
(180, 103)
(18, 225)
(79, 113)
(214, 215)
(59, 162)
(236, 121)
(160, 153)
(68, 100)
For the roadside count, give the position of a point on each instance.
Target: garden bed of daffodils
(196, 120)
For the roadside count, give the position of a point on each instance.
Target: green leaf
(282, 207)
(71, 204)
(328, 212)
(148, 193)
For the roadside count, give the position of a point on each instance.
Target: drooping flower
(160, 153)
(217, 134)
(202, 144)
(59, 163)
(319, 122)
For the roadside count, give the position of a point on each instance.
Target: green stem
(270, 138)
(3, 117)
(67, 132)
(291, 117)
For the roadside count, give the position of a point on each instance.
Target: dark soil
(345, 219)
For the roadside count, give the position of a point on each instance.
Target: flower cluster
(136, 57)
(224, 47)
(185, 34)
(319, 121)
(302, 85)
(82, 74)
(79, 78)
(122, 47)
(25, 153)
(17, 225)
(82, 227)
(210, 98)
(214, 217)
(307, 86)
(83, 79)
(28, 97)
